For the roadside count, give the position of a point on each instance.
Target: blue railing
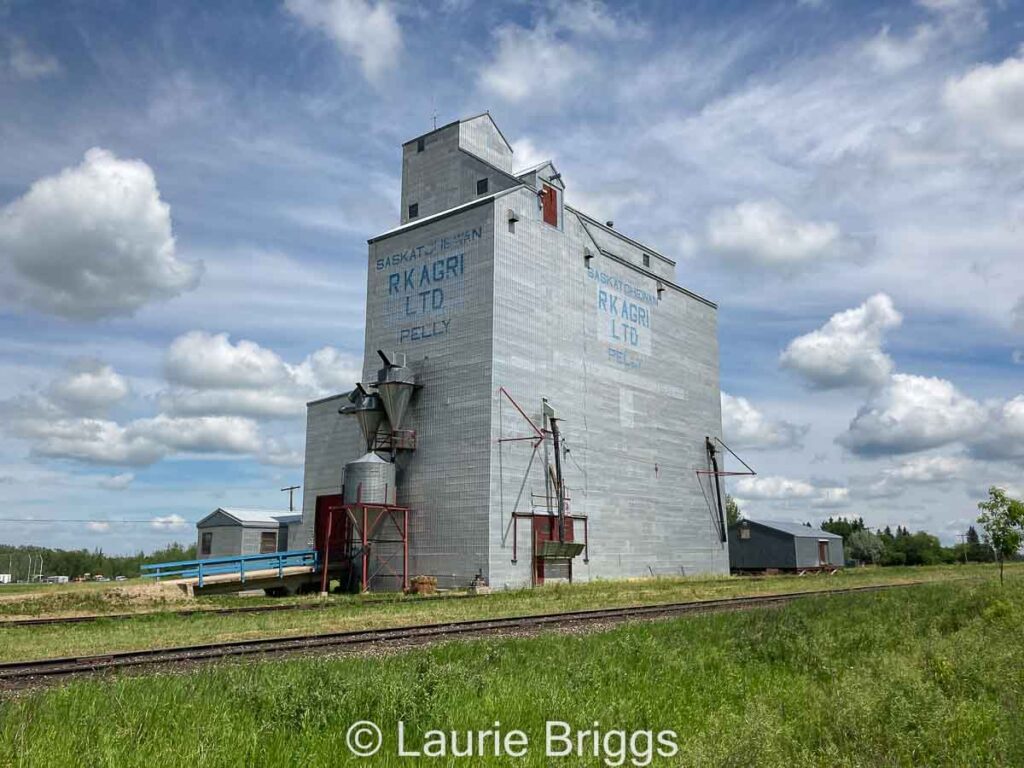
(242, 565)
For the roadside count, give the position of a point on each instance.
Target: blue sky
(187, 189)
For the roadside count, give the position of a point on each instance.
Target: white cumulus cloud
(773, 488)
(200, 434)
(548, 59)
(991, 97)
(213, 375)
(531, 63)
(205, 360)
(744, 426)
(1002, 437)
(369, 31)
(847, 350)
(65, 423)
(788, 492)
(917, 470)
(97, 526)
(92, 241)
(526, 153)
(169, 523)
(90, 387)
(765, 233)
(910, 414)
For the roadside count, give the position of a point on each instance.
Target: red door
(545, 528)
(328, 508)
(549, 197)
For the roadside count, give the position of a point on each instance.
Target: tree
(732, 511)
(843, 527)
(865, 546)
(972, 536)
(1002, 519)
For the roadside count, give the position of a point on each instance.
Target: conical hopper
(395, 395)
(369, 422)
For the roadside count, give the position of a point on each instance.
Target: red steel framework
(368, 526)
(536, 537)
(546, 518)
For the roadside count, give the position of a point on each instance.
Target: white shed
(230, 532)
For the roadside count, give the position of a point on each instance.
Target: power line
(291, 489)
(88, 520)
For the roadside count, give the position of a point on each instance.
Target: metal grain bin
(370, 480)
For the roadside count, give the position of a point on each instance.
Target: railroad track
(92, 617)
(20, 673)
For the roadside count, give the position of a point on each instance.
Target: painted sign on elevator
(624, 312)
(425, 285)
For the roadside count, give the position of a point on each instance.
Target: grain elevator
(539, 397)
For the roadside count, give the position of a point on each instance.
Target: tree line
(1002, 533)
(901, 547)
(22, 562)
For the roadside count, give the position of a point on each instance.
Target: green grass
(361, 612)
(932, 675)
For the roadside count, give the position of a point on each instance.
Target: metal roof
(459, 122)
(616, 233)
(534, 168)
(794, 529)
(268, 517)
(447, 212)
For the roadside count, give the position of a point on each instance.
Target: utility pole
(963, 539)
(291, 498)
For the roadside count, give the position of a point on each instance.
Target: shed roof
(795, 529)
(256, 517)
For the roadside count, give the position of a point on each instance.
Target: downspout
(718, 487)
(558, 479)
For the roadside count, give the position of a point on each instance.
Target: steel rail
(28, 671)
(87, 618)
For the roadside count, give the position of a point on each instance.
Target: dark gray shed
(755, 545)
(230, 532)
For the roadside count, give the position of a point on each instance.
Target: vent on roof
(610, 224)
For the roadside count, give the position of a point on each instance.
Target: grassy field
(20, 601)
(928, 676)
(355, 612)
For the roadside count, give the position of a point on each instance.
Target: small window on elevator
(647, 259)
(481, 186)
(414, 210)
(421, 144)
